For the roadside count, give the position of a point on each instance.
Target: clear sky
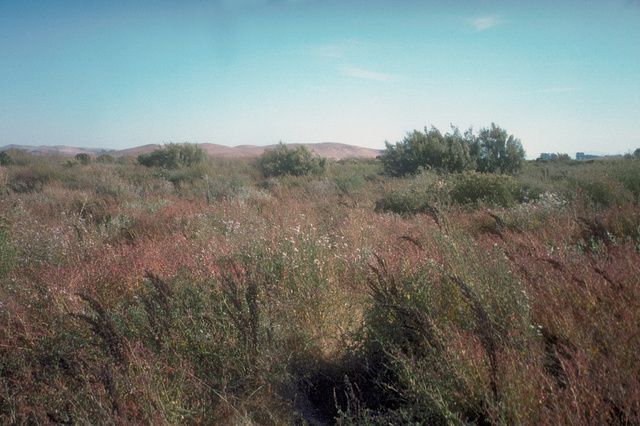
(563, 76)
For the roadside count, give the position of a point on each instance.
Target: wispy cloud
(339, 49)
(485, 22)
(364, 74)
(330, 51)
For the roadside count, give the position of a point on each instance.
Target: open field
(212, 295)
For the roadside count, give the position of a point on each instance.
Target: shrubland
(215, 293)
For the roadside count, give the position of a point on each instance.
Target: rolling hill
(330, 150)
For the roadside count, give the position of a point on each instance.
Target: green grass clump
(474, 188)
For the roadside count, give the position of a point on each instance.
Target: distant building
(554, 156)
(583, 156)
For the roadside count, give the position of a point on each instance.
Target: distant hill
(57, 150)
(330, 150)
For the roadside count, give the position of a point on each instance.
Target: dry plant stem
(245, 319)
(484, 329)
(104, 327)
(157, 305)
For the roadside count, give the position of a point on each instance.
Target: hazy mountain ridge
(57, 149)
(330, 150)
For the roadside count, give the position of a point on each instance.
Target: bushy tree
(429, 149)
(282, 160)
(496, 151)
(83, 158)
(105, 159)
(491, 151)
(459, 158)
(173, 156)
(554, 157)
(5, 159)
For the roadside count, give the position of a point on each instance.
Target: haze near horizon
(562, 76)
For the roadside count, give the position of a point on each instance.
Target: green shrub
(105, 159)
(492, 151)
(32, 178)
(424, 193)
(173, 156)
(83, 158)
(497, 152)
(600, 189)
(126, 160)
(189, 174)
(628, 174)
(349, 184)
(281, 161)
(405, 201)
(5, 159)
(428, 150)
(21, 158)
(475, 188)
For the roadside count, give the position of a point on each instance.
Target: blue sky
(563, 76)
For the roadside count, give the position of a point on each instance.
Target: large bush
(173, 156)
(83, 158)
(491, 151)
(497, 152)
(429, 149)
(282, 160)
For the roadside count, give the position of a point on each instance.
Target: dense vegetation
(299, 161)
(492, 150)
(172, 156)
(216, 293)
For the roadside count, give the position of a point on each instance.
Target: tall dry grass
(214, 296)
